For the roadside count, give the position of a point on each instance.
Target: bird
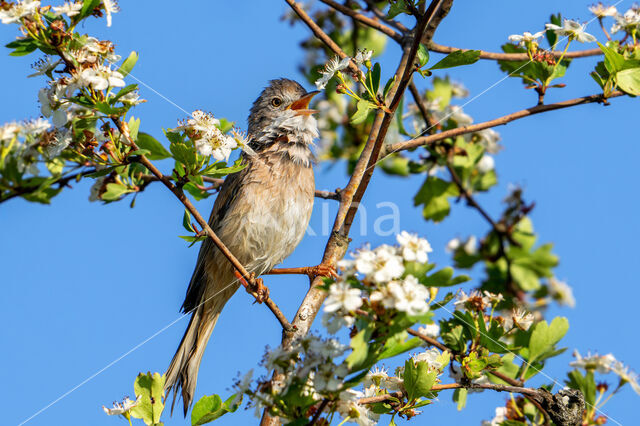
(261, 214)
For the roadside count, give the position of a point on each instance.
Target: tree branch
(439, 48)
(426, 140)
(403, 74)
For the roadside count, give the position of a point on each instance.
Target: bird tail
(182, 373)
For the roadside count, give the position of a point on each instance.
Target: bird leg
(321, 270)
(257, 289)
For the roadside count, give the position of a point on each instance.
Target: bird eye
(276, 102)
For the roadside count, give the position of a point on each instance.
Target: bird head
(283, 109)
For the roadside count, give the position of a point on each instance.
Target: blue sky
(84, 283)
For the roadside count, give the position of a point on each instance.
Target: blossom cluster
(386, 286)
(207, 137)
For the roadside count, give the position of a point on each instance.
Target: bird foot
(257, 289)
(322, 270)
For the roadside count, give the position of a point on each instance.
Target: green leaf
(434, 194)
(395, 165)
(375, 78)
(22, 46)
(423, 55)
(183, 154)
(186, 221)
(613, 60)
(126, 89)
(388, 86)
(398, 344)
(418, 381)
(128, 64)
(397, 8)
(360, 347)
(629, 81)
(460, 398)
(114, 192)
(544, 336)
(134, 125)
(210, 408)
(552, 37)
(362, 111)
(157, 151)
(87, 8)
(457, 58)
(150, 387)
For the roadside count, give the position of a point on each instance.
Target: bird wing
(231, 187)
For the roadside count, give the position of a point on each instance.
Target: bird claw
(257, 289)
(323, 270)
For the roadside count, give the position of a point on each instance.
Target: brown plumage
(261, 215)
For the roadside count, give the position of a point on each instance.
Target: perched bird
(261, 214)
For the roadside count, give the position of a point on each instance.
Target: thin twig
(371, 5)
(318, 32)
(425, 140)
(437, 388)
(439, 48)
(429, 340)
(373, 23)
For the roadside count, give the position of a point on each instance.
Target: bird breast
(271, 213)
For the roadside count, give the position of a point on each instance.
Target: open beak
(301, 106)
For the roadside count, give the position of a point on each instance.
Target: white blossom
(452, 245)
(456, 114)
(414, 248)
(349, 408)
(626, 375)
(18, 10)
(375, 377)
(561, 292)
(70, 9)
(500, 417)
(333, 66)
(382, 265)
(122, 408)
(489, 139)
(393, 384)
(525, 38)
(96, 188)
(458, 90)
(44, 66)
(572, 29)
(471, 246)
(433, 357)
(486, 164)
(430, 330)
(110, 6)
(628, 22)
(473, 301)
(343, 297)
(208, 139)
(60, 142)
(522, 319)
(410, 296)
(334, 321)
(101, 77)
(329, 377)
(363, 56)
(601, 363)
(600, 10)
